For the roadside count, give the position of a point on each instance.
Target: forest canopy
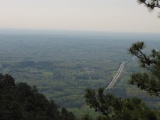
(23, 102)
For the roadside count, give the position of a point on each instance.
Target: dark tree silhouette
(113, 108)
(151, 4)
(23, 102)
(149, 80)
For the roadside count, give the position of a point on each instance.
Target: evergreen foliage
(23, 102)
(151, 4)
(150, 79)
(113, 108)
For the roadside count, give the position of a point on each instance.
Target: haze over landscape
(84, 15)
(79, 60)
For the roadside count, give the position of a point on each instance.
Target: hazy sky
(94, 15)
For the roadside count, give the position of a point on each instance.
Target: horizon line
(49, 31)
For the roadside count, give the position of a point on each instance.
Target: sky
(84, 15)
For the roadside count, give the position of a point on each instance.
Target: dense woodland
(23, 102)
(63, 65)
(63, 75)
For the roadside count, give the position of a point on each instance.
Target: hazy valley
(62, 65)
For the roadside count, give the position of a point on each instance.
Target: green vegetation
(149, 80)
(113, 108)
(63, 66)
(81, 113)
(23, 102)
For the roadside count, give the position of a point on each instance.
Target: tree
(114, 108)
(150, 3)
(149, 80)
(23, 102)
(67, 115)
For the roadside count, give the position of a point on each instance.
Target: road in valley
(115, 78)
